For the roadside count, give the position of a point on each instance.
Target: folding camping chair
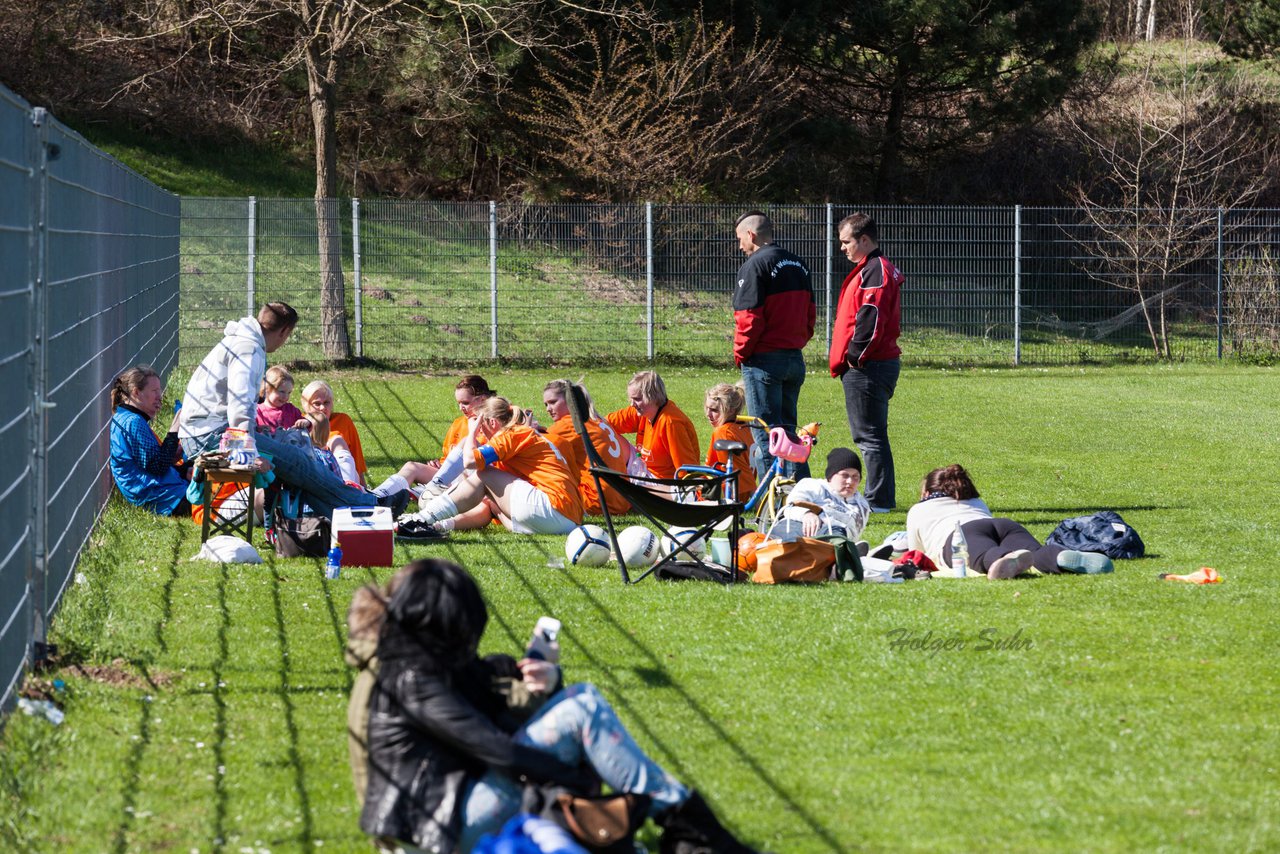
(663, 511)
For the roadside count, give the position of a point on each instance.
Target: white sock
(438, 509)
(450, 468)
(446, 524)
(391, 486)
(347, 465)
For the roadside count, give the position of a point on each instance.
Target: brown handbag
(802, 560)
(603, 822)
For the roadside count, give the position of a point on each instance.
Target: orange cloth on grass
(665, 444)
(225, 491)
(735, 432)
(610, 447)
(521, 451)
(340, 424)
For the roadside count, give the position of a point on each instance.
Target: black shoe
(692, 828)
(418, 531)
(397, 501)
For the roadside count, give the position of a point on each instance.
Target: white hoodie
(223, 391)
(848, 513)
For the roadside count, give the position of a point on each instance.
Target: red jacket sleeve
(748, 327)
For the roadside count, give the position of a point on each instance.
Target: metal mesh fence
(92, 252)
(463, 283)
(17, 229)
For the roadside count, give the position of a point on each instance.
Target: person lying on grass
(454, 739)
(831, 506)
(513, 470)
(1000, 548)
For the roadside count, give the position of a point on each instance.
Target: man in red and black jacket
(864, 351)
(773, 316)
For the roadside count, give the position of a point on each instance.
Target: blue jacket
(1104, 532)
(142, 466)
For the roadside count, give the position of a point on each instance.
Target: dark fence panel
(464, 283)
(91, 253)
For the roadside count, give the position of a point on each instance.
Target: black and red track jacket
(773, 305)
(868, 317)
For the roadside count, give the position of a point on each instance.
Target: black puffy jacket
(437, 720)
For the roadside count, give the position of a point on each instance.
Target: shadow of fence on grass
(365, 414)
(132, 777)
(656, 674)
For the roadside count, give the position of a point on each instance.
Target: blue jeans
(866, 400)
(295, 467)
(772, 381)
(576, 725)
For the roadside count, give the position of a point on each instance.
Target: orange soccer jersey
(665, 444)
(340, 424)
(520, 451)
(610, 447)
(456, 433)
(741, 462)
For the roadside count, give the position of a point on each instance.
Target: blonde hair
(368, 609)
(276, 376)
(501, 410)
(314, 386)
(319, 430)
(129, 382)
(650, 387)
(728, 399)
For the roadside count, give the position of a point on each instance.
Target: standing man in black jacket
(773, 316)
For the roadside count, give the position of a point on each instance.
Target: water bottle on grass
(959, 553)
(333, 566)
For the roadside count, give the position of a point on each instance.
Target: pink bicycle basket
(791, 450)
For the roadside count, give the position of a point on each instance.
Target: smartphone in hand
(542, 645)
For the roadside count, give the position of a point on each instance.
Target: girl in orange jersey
(665, 437)
(722, 405)
(438, 475)
(317, 400)
(614, 449)
(512, 469)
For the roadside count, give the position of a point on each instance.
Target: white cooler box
(365, 534)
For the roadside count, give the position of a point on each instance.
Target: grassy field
(1121, 713)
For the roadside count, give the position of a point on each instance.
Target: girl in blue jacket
(142, 465)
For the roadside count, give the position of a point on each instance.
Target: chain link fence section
(18, 216)
(93, 253)
(464, 283)
(1249, 285)
(110, 300)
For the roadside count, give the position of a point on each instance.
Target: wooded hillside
(960, 101)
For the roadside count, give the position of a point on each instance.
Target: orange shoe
(1203, 575)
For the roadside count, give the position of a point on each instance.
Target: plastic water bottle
(959, 553)
(333, 565)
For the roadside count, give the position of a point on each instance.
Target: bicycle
(770, 495)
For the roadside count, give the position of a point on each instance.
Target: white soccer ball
(638, 546)
(587, 545)
(697, 545)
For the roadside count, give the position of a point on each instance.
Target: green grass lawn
(1126, 713)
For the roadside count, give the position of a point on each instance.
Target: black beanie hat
(842, 458)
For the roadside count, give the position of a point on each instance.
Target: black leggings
(991, 539)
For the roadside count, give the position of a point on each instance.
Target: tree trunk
(889, 172)
(321, 83)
